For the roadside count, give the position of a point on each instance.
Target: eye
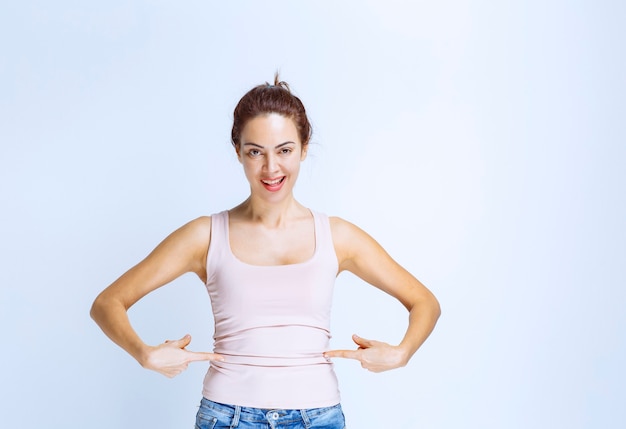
(254, 153)
(286, 150)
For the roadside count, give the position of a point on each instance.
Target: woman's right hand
(171, 358)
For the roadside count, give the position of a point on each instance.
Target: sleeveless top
(272, 325)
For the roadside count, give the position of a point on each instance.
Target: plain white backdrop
(483, 143)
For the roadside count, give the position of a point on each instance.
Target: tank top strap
(218, 244)
(324, 238)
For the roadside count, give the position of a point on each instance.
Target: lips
(273, 184)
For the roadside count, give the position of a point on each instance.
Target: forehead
(269, 128)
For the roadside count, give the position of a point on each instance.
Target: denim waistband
(237, 413)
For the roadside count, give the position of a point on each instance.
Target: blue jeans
(212, 415)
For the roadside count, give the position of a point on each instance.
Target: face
(270, 152)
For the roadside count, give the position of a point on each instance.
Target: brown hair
(265, 99)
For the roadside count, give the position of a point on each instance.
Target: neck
(270, 214)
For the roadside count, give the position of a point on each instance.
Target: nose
(271, 163)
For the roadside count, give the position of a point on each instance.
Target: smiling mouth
(273, 182)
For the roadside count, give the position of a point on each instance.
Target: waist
(290, 345)
(280, 361)
(285, 387)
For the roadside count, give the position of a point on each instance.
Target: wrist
(143, 355)
(404, 354)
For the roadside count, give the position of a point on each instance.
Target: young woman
(269, 265)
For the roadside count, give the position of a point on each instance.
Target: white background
(481, 142)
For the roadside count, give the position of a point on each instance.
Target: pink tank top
(272, 324)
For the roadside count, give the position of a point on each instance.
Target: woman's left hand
(374, 356)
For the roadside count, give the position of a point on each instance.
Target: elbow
(436, 308)
(430, 305)
(98, 307)
(95, 309)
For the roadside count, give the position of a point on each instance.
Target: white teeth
(272, 182)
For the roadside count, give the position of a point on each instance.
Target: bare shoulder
(352, 243)
(190, 241)
(338, 226)
(184, 249)
(345, 232)
(195, 236)
(341, 231)
(194, 233)
(199, 227)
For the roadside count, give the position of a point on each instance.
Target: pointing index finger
(346, 354)
(200, 356)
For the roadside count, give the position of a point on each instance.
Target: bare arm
(182, 251)
(360, 254)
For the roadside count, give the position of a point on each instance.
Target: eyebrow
(262, 147)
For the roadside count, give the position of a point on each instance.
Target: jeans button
(275, 416)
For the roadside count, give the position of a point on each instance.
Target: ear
(305, 149)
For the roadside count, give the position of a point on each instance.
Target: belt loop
(305, 419)
(235, 421)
